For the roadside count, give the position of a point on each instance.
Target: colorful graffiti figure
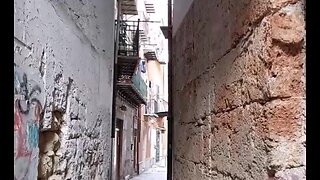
(27, 114)
(27, 137)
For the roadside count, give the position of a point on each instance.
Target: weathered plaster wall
(144, 155)
(147, 143)
(164, 138)
(66, 48)
(143, 139)
(239, 91)
(127, 154)
(154, 72)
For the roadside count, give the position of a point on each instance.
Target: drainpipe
(114, 95)
(138, 139)
(170, 103)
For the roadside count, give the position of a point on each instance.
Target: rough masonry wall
(63, 55)
(239, 91)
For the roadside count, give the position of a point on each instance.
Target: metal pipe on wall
(138, 139)
(114, 95)
(170, 103)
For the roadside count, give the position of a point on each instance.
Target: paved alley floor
(156, 172)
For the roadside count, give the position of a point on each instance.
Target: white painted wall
(153, 143)
(68, 45)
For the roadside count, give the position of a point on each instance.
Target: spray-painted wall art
(27, 114)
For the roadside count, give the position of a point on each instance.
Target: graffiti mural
(27, 114)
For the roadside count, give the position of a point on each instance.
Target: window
(143, 66)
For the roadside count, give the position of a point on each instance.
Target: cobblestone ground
(156, 172)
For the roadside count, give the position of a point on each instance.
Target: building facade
(140, 136)
(154, 49)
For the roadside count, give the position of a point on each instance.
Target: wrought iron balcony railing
(156, 105)
(128, 38)
(162, 106)
(129, 7)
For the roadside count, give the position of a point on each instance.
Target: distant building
(141, 104)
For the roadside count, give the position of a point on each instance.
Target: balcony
(152, 54)
(162, 107)
(149, 7)
(129, 38)
(128, 52)
(130, 85)
(140, 85)
(164, 30)
(133, 89)
(157, 107)
(129, 7)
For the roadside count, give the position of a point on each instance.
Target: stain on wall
(27, 113)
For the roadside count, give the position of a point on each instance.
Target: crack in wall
(202, 165)
(18, 41)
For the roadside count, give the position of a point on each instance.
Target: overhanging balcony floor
(127, 65)
(129, 91)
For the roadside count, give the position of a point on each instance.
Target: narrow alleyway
(104, 89)
(156, 172)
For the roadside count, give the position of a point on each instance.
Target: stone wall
(239, 91)
(63, 55)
